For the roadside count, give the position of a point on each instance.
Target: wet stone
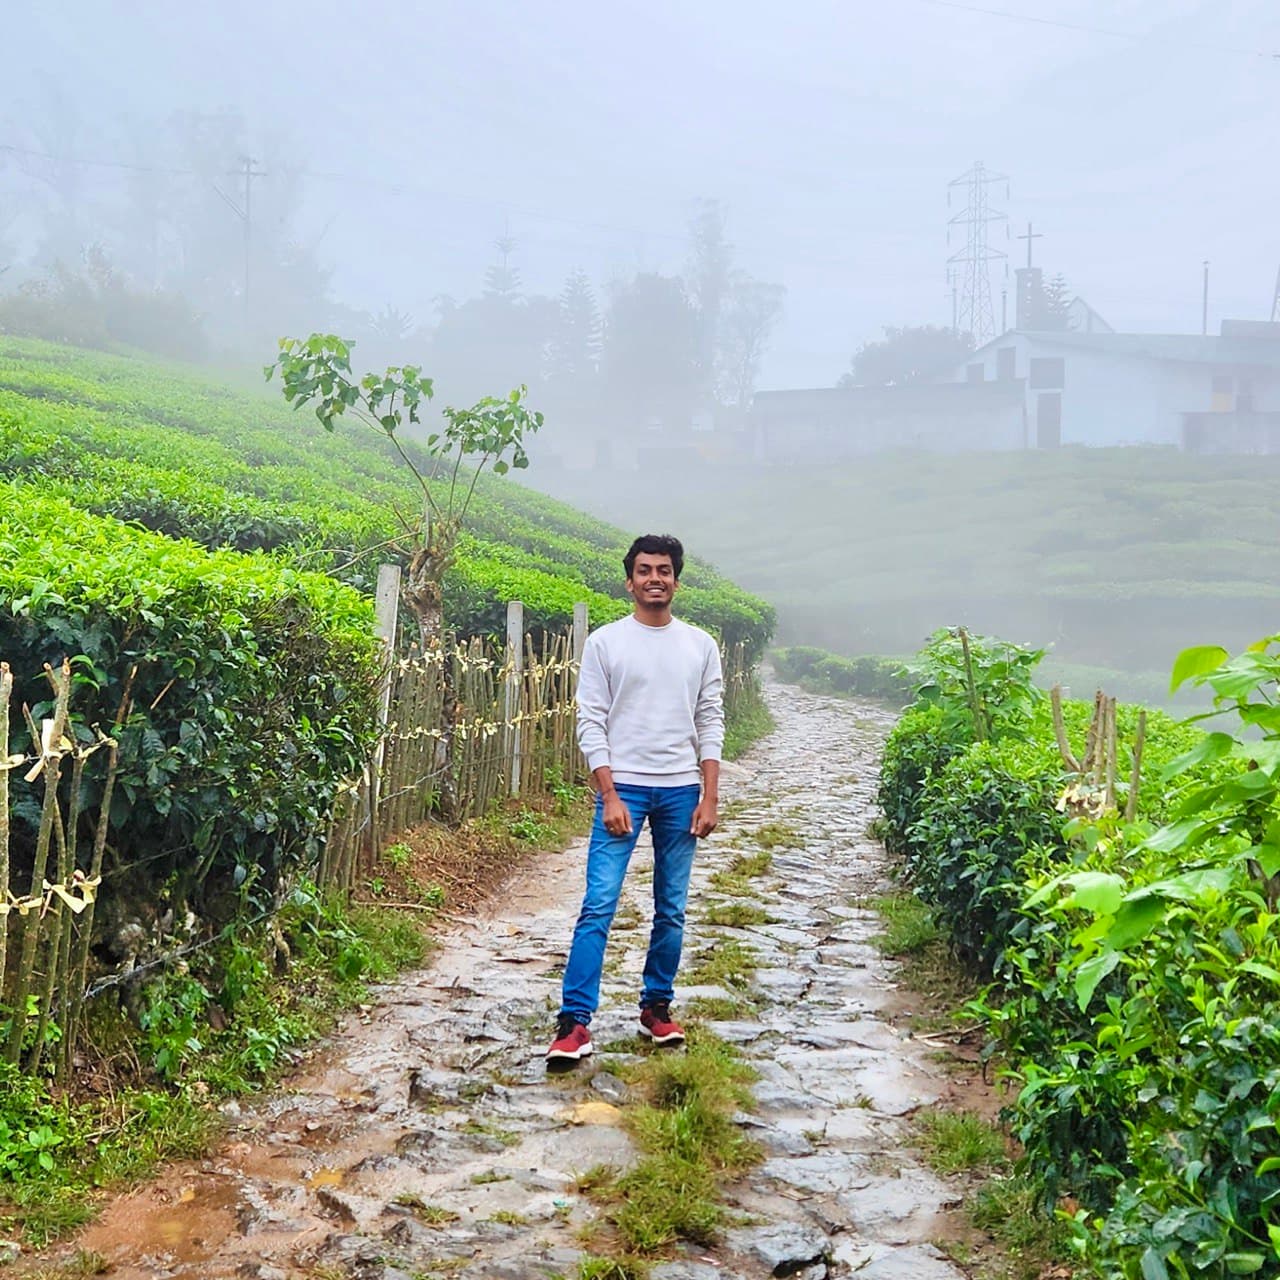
(686, 1271)
(610, 1087)
(739, 1032)
(785, 1247)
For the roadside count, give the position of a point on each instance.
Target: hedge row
(1135, 965)
(253, 695)
(244, 471)
(819, 671)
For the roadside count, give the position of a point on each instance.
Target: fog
(651, 214)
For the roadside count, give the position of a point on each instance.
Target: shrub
(252, 694)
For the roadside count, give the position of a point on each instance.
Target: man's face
(653, 580)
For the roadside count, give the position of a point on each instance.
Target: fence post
(511, 699)
(386, 605)
(579, 631)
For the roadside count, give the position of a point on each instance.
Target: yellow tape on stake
(86, 891)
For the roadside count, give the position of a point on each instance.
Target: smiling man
(651, 725)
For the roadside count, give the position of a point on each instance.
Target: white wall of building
(1111, 399)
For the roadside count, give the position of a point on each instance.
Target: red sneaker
(657, 1024)
(572, 1042)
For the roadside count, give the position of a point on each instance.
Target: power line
(1142, 36)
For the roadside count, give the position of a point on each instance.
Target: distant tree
(750, 314)
(914, 353)
(575, 350)
(1053, 311)
(502, 280)
(391, 325)
(651, 347)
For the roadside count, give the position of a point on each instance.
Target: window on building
(975, 373)
(1006, 364)
(1047, 373)
(1224, 393)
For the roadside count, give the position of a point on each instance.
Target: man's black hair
(655, 544)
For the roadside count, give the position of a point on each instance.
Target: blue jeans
(670, 814)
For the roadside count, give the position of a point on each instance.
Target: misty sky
(829, 127)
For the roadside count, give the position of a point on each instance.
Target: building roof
(908, 396)
(1184, 348)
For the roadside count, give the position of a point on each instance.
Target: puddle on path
(426, 1136)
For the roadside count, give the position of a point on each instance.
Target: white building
(1214, 394)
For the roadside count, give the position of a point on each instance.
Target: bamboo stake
(1060, 730)
(6, 692)
(49, 748)
(1135, 776)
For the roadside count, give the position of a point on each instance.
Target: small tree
(916, 353)
(489, 434)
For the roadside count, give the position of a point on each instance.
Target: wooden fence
(512, 734)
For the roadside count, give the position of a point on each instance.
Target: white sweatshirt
(650, 702)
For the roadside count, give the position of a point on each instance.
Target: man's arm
(594, 699)
(617, 817)
(708, 720)
(707, 814)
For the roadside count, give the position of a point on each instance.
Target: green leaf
(1092, 972)
(1177, 835)
(1190, 663)
(1273, 1234)
(1153, 1267)
(1191, 886)
(1243, 1264)
(1136, 917)
(1096, 891)
(1261, 970)
(1213, 746)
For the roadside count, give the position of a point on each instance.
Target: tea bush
(1136, 965)
(253, 690)
(867, 676)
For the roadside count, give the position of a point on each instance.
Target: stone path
(427, 1138)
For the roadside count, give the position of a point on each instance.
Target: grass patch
(626, 1267)
(726, 963)
(489, 1175)
(909, 925)
(736, 915)
(955, 1141)
(690, 1142)
(433, 1215)
(774, 835)
(483, 1129)
(735, 879)
(1010, 1210)
(720, 1008)
(747, 720)
(508, 1218)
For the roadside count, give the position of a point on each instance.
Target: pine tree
(1055, 305)
(575, 354)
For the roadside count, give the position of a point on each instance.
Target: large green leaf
(1092, 972)
(1096, 891)
(1213, 746)
(1196, 661)
(1136, 917)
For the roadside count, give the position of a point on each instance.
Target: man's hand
(705, 817)
(617, 817)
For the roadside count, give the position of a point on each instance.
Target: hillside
(1117, 558)
(181, 455)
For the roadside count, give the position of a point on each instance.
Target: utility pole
(245, 214)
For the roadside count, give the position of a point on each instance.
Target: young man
(651, 725)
